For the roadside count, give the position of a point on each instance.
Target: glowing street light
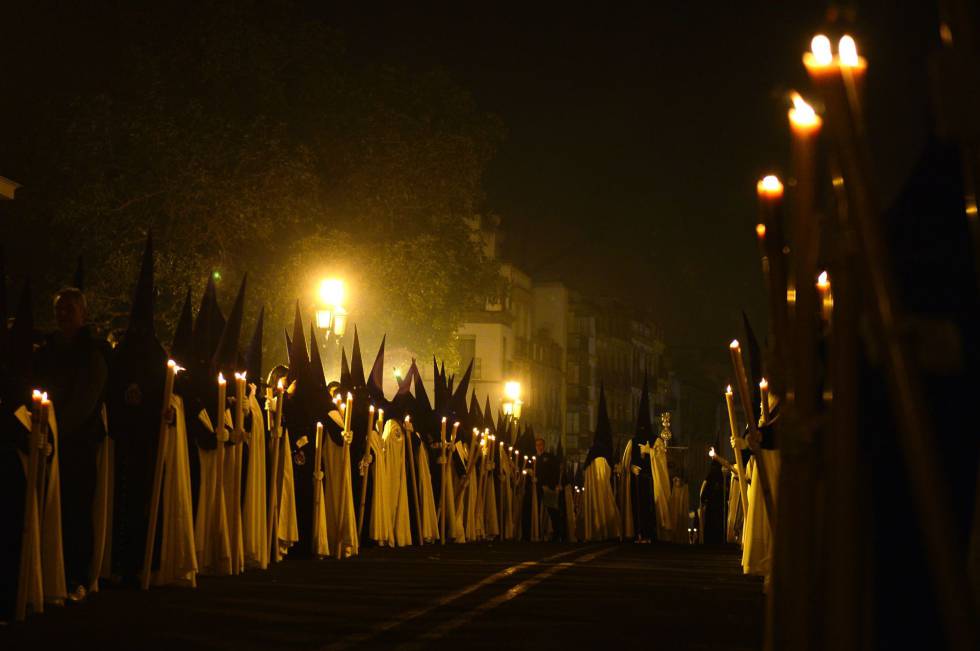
(512, 399)
(331, 316)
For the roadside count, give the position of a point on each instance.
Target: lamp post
(512, 400)
(331, 317)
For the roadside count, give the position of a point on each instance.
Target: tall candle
(826, 298)
(742, 484)
(764, 392)
(219, 425)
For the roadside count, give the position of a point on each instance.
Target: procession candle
(853, 68)
(36, 400)
(769, 233)
(239, 404)
(826, 298)
(742, 488)
(219, 424)
(348, 410)
(370, 422)
(442, 430)
(764, 392)
(452, 438)
(381, 420)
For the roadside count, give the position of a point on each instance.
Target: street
(541, 596)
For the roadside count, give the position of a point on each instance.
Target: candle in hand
(764, 392)
(826, 298)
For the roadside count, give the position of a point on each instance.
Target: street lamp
(330, 315)
(512, 399)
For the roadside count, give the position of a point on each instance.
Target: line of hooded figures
(132, 464)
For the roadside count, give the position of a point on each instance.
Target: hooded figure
(72, 366)
(600, 514)
(641, 478)
(713, 506)
(137, 372)
(422, 431)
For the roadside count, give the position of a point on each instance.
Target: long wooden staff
(364, 466)
(275, 429)
(317, 484)
(348, 407)
(739, 462)
(409, 433)
(151, 528)
(743, 394)
(237, 450)
(219, 435)
(30, 535)
(442, 481)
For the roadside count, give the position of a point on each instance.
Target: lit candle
(742, 488)
(348, 410)
(219, 425)
(442, 430)
(764, 392)
(853, 68)
(452, 438)
(381, 420)
(826, 298)
(239, 405)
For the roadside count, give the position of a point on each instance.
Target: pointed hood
(459, 396)
(316, 363)
(78, 280)
(253, 358)
(475, 413)
(644, 427)
(376, 379)
(205, 328)
(421, 397)
(488, 417)
(141, 314)
(299, 362)
(226, 356)
(345, 379)
(754, 367)
(602, 443)
(182, 347)
(356, 363)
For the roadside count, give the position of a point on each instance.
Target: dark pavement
(543, 596)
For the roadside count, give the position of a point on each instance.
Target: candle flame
(764, 384)
(239, 376)
(769, 186)
(820, 48)
(280, 384)
(823, 281)
(44, 398)
(734, 345)
(36, 393)
(802, 114)
(444, 419)
(408, 419)
(371, 409)
(848, 53)
(221, 378)
(728, 390)
(760, 230)
(171, 363)
(711, 452)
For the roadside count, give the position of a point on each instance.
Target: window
(467, 351)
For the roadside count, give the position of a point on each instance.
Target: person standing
(548, 470)
(71, 365)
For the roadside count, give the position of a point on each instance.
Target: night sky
(636, 133)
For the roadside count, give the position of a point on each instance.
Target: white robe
(396, 485)
(757, 535)
(211, 533)
(178, 556)
(255, 528)
(625, 483)
(287, 527)
(341, 516)
(427, 500)
(661, 488)
(600, 513)
(680, 511)
(379, 528)
(46, 558)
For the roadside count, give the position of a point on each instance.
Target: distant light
(331, 291)
(216, 275)
(512, 390)
(769, 186)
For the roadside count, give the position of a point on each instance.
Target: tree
(248, 140)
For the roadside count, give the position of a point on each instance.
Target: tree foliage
(249, 140)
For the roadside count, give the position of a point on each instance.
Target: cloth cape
(600, 513)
